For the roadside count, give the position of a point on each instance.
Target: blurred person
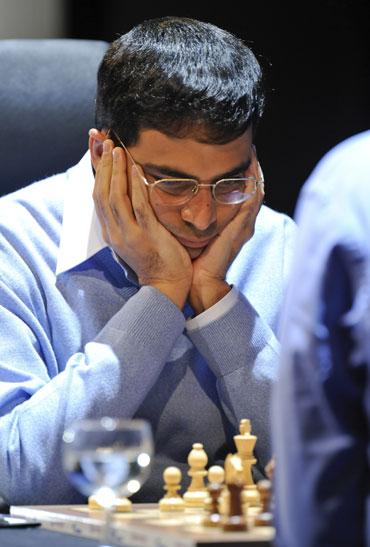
(321, 402)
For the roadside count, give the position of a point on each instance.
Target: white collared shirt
(79, 216)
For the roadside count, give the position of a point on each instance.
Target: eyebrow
(152, 168)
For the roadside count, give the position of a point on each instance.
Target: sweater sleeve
(242, 351)
(114, 372)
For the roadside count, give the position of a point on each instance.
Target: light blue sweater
(89, 342)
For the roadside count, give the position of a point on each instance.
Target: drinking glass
(107, 457)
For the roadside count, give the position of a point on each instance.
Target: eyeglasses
(178, 191)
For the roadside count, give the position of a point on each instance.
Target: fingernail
(105, 146)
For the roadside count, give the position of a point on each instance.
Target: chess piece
(172, 501)
(269, 468)
(216, 474)
(224, 501)
(264, 518)
(121, 505)
(232, 464)
(196, 495)
(245, 443)
(235, 520)
(216, 477)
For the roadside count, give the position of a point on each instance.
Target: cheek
(167, 217)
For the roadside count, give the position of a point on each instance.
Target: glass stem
(107, 527)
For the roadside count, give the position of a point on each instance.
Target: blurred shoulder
(342, 174)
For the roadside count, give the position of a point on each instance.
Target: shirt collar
(81, 235)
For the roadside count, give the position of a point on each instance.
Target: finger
(260, 194)
(261, 189)
(119, 200)
(102, 178)
(241, 227)
(254, 204)
(102, 189)
(139, 197)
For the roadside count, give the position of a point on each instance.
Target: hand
(209, 270)
(130, 227)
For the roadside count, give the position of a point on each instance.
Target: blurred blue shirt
(321, 402)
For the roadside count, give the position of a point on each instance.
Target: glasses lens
(234, 191)
(179, 191)
(175, 191)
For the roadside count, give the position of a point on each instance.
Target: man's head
(181, 77)
(183, 97)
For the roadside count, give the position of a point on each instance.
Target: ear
(96, 139)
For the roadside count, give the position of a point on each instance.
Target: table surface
(39, 537)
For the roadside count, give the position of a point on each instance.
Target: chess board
(145, 526)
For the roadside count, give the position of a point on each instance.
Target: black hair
(182, 77)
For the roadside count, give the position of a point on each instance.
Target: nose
(200, 211)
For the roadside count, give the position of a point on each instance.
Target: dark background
(316, 59)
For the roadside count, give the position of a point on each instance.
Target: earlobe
(96, 139)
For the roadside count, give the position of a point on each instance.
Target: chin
(194, 253)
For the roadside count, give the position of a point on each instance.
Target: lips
(197, 244)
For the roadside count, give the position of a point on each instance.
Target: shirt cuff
(129, 272)
(222, 307)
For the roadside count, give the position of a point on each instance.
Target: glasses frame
(197, 184)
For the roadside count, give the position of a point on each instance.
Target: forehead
(190, 156)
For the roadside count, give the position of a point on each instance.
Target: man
(321, 402)
(159, 296)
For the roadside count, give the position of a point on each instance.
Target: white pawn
(196, 495)
(216, 474)
(172, 501)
